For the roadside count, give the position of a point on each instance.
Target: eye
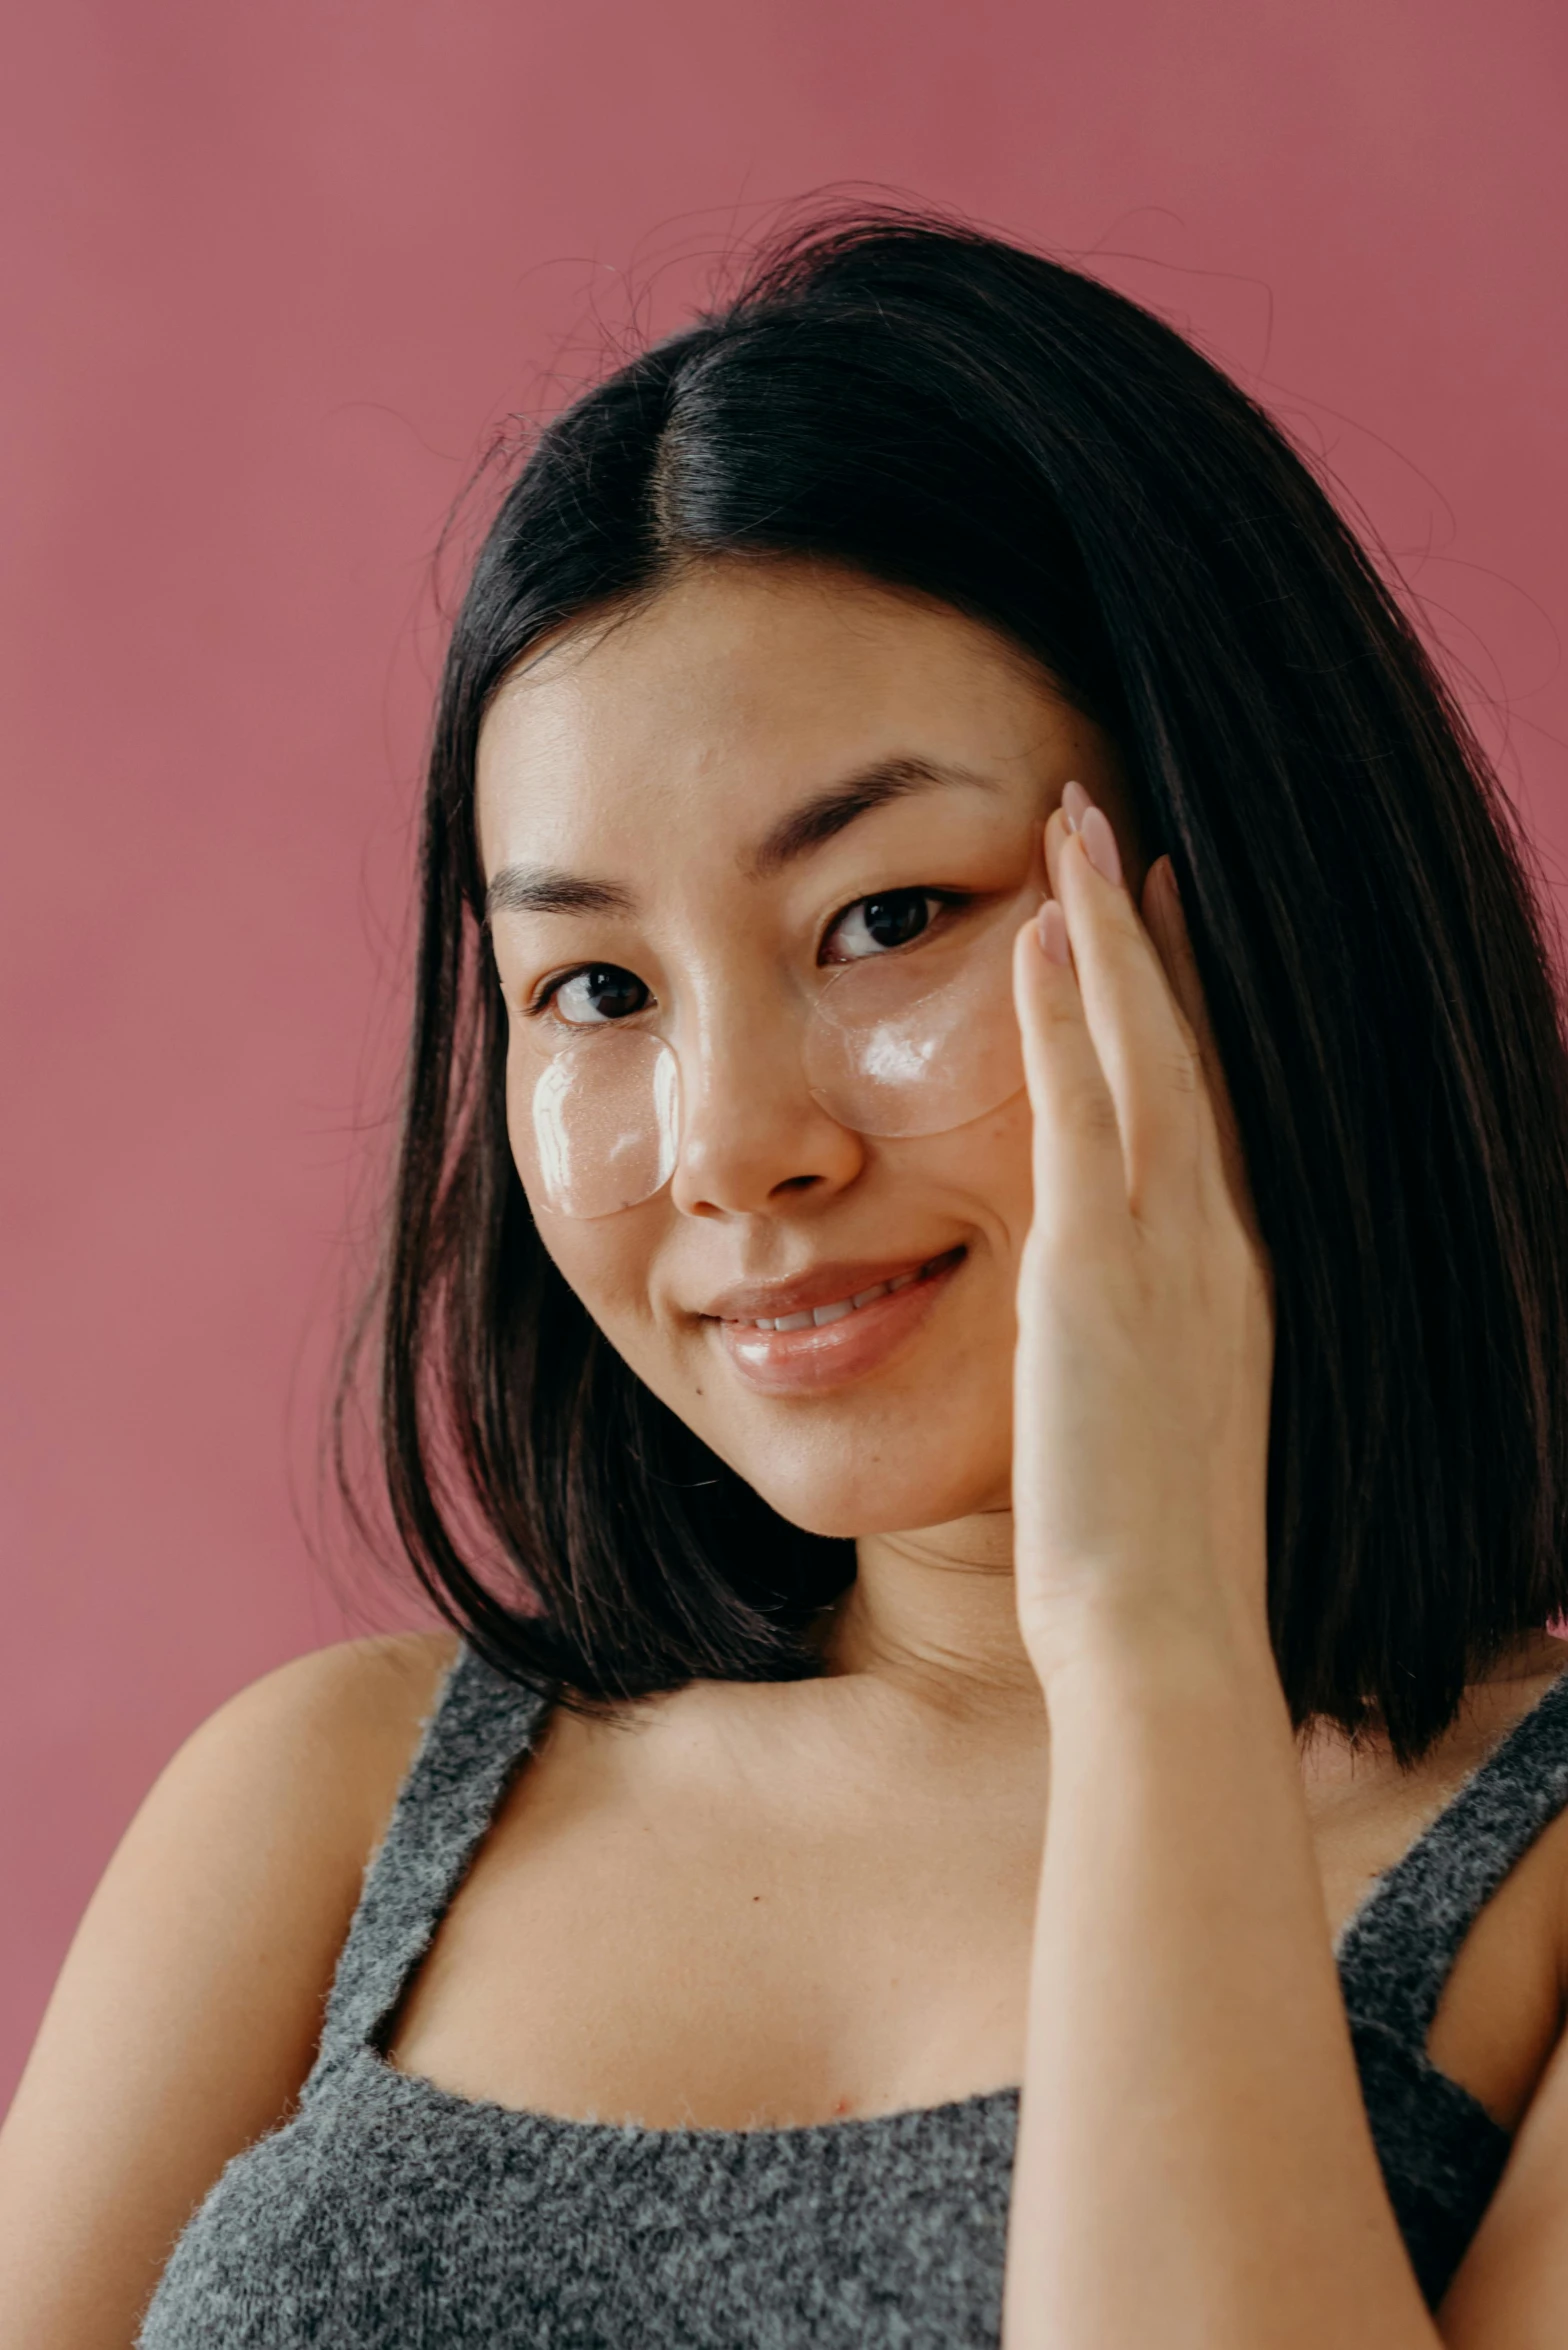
(599, 993)
(875, 926)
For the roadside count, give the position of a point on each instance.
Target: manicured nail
(1075, 801)
(1099, 844)
(1053, 933)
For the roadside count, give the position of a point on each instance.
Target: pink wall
(270, 272)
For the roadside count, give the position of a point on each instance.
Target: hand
(1145, 1342)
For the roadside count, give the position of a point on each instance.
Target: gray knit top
(390, 2214)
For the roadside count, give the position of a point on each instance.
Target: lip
(824, 1285)
(829, 1354)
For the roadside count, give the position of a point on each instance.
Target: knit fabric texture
(389, 2214)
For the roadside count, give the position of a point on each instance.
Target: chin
(882, 1496)
(862, 1462)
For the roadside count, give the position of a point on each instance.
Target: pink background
(271, 274)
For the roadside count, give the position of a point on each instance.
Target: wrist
(1199, 1631)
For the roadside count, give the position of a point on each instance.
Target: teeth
(841, 1307)
(833, 1313)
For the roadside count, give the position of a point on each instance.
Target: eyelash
(946, 901)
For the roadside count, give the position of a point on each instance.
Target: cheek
(607, 1263)
(983, 1169)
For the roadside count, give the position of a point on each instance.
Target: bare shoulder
(286, 1788)
(334, 1731)
(188, 2010)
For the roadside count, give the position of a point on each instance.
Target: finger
(1079, 1172)
(1166, 922)
(1147, 1050)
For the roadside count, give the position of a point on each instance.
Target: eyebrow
(542, 889)
(817, 820)
(539, 889)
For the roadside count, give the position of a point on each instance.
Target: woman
(867, 1443)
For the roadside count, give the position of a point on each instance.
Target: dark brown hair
(943, 410)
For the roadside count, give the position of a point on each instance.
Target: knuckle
(1091, 1115)
(1059, 1011)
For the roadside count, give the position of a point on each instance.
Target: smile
(845, 1305)
(840, 1308)
(826, 1341)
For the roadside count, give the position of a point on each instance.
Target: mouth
(839, 1308)
(836, 1325)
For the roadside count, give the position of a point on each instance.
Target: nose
(753, 1141)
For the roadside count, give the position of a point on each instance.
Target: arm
(1511, 2292)
(186, 2016)
(1184, 2003)
(1195, 2166)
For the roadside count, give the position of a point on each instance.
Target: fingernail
(1075, 800)
(1053, 933)
(1099, 844)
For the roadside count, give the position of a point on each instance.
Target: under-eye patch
(918, 1040)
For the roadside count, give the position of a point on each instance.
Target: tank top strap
(480, 1729)
(1399, 1948)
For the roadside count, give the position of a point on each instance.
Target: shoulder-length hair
(944, 411)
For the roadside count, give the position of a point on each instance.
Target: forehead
(738, 690)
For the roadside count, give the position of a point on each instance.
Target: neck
(932, 1613)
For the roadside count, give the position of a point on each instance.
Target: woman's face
(693, 820)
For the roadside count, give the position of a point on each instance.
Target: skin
(1043, 1819)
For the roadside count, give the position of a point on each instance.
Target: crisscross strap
(481, 1727)
(1399, 1948)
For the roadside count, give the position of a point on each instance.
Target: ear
(1166, 924)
